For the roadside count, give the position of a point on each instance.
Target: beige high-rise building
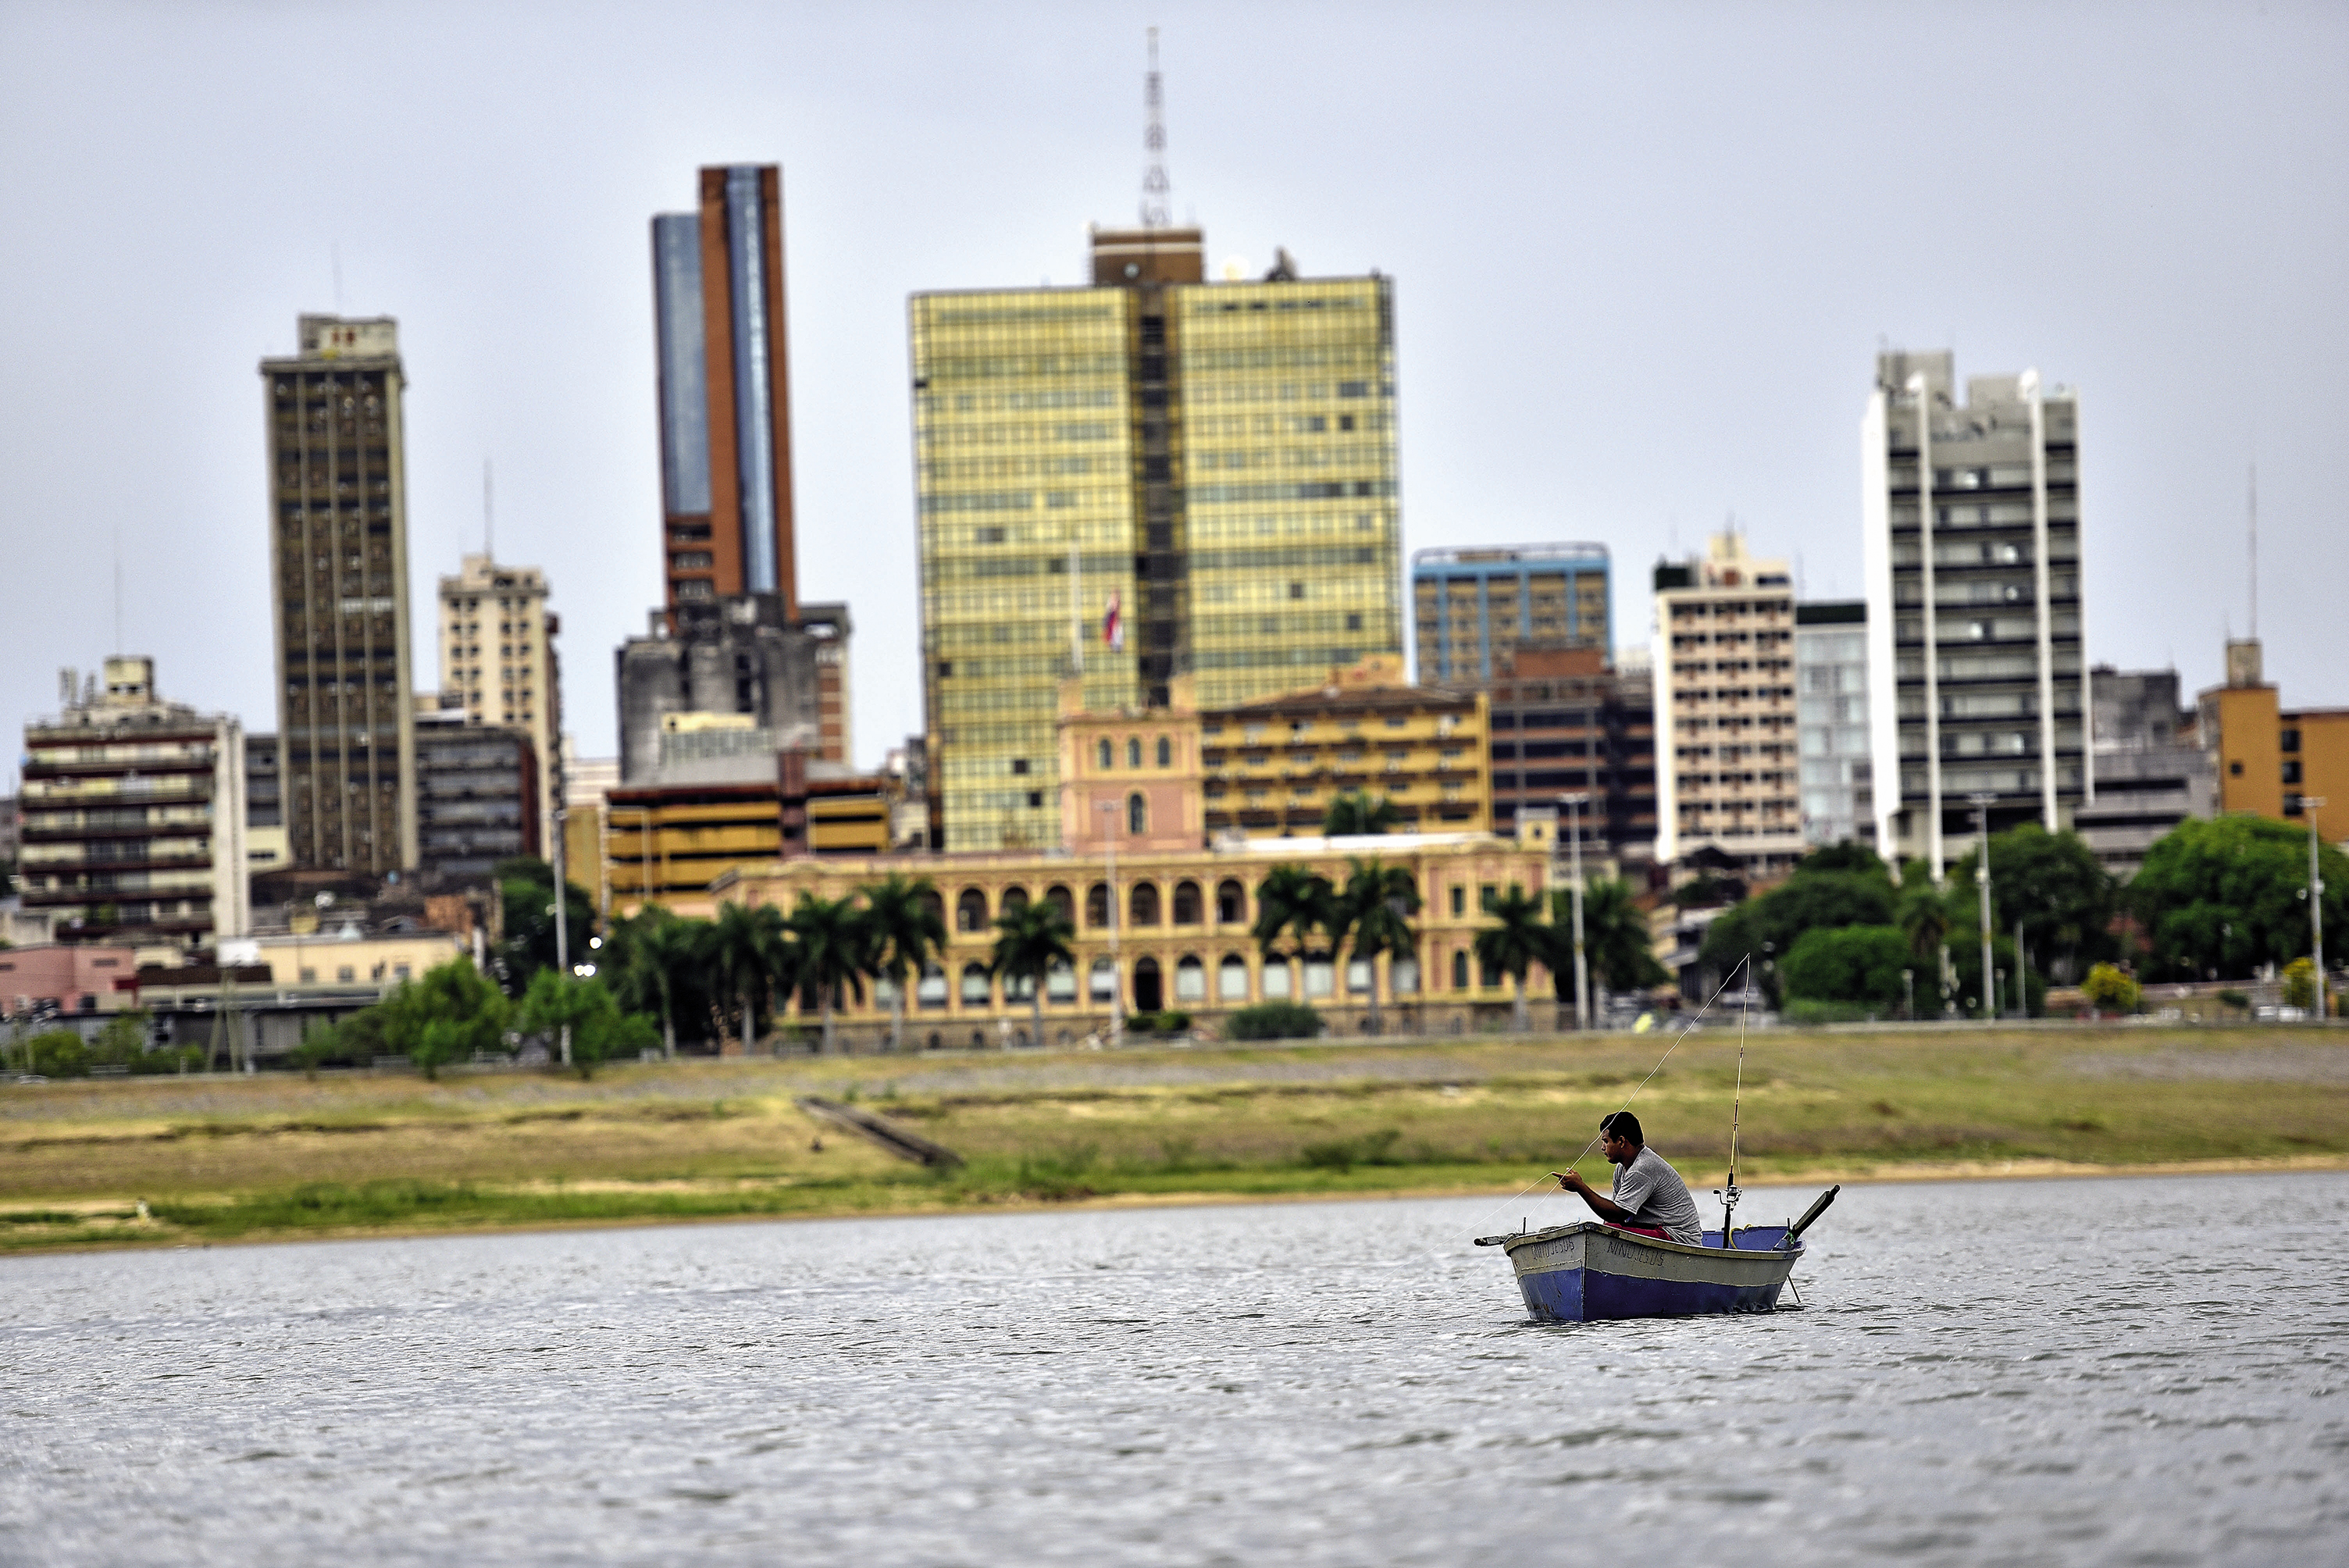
(496, 654)
(338, 603)
(1726, 773)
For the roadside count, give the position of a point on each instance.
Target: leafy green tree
(1816, 895)
(1376, 904)
(526, 886)
(2228, 896)
(831, 951)
(902, 920)
(472, 1013)
(1295, 903)
(1858, 964)
(599, 1029)
(123, 1042)
(2054, 885)
(1707, 891)
(1616, 943)
(747, 955)
(1354, 814)
(1515, 942)
(1031, 939)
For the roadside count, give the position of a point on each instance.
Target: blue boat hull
(1588, 1273)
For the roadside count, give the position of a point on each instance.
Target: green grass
(247, 1159)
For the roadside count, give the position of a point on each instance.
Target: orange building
(2289, 764)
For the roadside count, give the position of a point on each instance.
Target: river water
(2136, 1371)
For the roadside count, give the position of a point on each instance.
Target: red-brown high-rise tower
(725, 392)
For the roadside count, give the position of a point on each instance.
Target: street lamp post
(1982, 800)
(1573, 803)
(1108, 810)
(561, 923)
(2309, 803)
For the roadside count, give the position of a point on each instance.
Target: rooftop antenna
(1153, 142)
(2255, 552)
(489, 513)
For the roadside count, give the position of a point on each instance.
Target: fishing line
(1652, 1071)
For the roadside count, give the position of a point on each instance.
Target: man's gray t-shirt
(1654, 1194)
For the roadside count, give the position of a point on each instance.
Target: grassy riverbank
(226, 1158)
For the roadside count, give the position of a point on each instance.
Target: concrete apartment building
(1726, 776)
(1473, 606)
(1971, 535)
(477, 796)
(1150, 476)
(134, 815)
(498, 660)
(2272, 761)
(2150, 774)
(1831, 731)
(1566, 722)
(338, 601)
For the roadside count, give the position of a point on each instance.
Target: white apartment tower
(497, 653)
(1725, 714)
(1975, 681)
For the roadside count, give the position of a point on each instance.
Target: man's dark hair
(1623, 1124)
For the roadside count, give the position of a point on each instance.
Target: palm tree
(830, 950)
(1515, 941)
(1377, 904)
(1354, 814)
(658, 951)
(1030, 940)
(1924, 915)
(901, 917)
(745, 953)
(1297, 901)
(1616, 943)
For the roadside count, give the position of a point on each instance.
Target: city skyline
(2184, 281)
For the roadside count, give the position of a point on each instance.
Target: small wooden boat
(1590, 1271)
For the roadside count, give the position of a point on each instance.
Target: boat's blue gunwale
(1511, 1243)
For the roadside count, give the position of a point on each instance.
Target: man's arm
(1605, 1208)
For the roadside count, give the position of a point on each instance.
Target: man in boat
(1649, 1198)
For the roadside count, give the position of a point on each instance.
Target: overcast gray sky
(1644, 256)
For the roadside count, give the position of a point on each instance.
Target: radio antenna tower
(1153, 140)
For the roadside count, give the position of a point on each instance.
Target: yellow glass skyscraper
(1150, 477)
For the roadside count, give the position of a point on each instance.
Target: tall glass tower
(1152, 476)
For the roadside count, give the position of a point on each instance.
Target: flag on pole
(1114, 625)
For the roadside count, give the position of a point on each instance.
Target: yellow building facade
(1180, 940)
(1185, 774)
(1122, 484)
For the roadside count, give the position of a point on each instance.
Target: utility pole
(1573, 803)
(2021, 969)
(562, 921)
(1982, 800)
(2308, 805)
(1108, 810)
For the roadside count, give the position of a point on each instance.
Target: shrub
(2107, 989)
(1345, 1153)
(1274, 1021)
(59, 1053)
(2233, 999)
(2299, 984)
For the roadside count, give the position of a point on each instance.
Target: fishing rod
(1728, 1195)
(1743, 965)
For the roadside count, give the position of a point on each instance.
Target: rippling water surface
(2141, 1371)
